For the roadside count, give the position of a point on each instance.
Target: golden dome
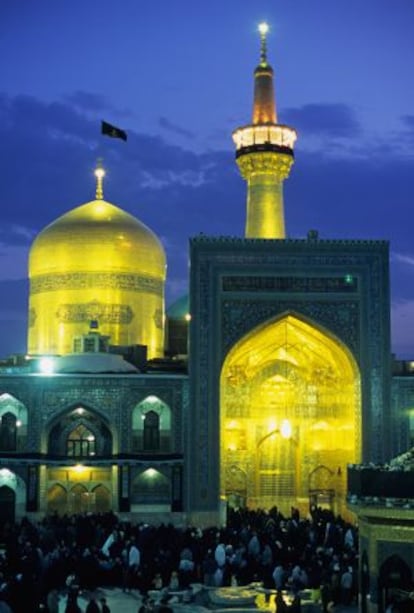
(96, 262)
(94, 236)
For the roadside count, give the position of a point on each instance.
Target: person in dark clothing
(72, 604)
(295, 606)
(281, 606)
(92, 606)
(104, 607)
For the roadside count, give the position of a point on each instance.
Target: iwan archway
(290, 409)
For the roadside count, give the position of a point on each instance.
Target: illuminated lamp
(46, 366)
(286, 429)
(263, 28)
(99, 172)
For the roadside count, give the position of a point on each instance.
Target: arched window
(152, 420)
(8, 432)
(151, 431)
(81, 442)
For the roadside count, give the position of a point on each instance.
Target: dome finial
(263, 30)
(99, 174)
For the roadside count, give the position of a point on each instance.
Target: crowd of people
(82, 552)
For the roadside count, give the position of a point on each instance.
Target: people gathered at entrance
(82, 552)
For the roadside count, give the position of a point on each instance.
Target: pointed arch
(395, 580)
(13, 423)
(7, 504)
(11, 404)
(13, 481)
(151, 487)
(102, 499)
(151, 425)
(320, 478)
(8, 432)
(78, 418)
(289, 370)
(81, 441)
(57, 499)
(78, 499)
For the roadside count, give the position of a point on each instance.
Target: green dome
(179, 309)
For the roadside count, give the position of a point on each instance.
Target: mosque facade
(280, 380)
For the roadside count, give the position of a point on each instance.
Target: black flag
(112, 131)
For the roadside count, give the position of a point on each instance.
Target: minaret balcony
(273, 137)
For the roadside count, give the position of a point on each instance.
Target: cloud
(88, 101)
(15, 234)
(48, 152)
(403, 258)
(328, 120)
(171, 127)
(402, 316)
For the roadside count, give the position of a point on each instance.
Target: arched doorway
(236, 487)
(395, 582)
(102, 499)
(276, 469)
(290, 399)
(13, 424)
(57, 499)
(151, 488)
(322, 488)
(7, 504)
(8, 432)
(78, 499)
(151, 431)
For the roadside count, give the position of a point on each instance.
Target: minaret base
(264, 172)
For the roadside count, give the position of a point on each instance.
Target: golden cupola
(264, 155)
(96, 263)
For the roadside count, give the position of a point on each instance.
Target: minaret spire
(263, 29)
(264, 154)
(99, 174)
(264, 103)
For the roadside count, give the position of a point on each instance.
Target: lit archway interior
(290, 406)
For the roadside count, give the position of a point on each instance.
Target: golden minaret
(264, 155)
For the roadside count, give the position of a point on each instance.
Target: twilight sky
(177, 75)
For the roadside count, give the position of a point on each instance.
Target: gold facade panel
(57, 474)
(55, 328)
(290, 406)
